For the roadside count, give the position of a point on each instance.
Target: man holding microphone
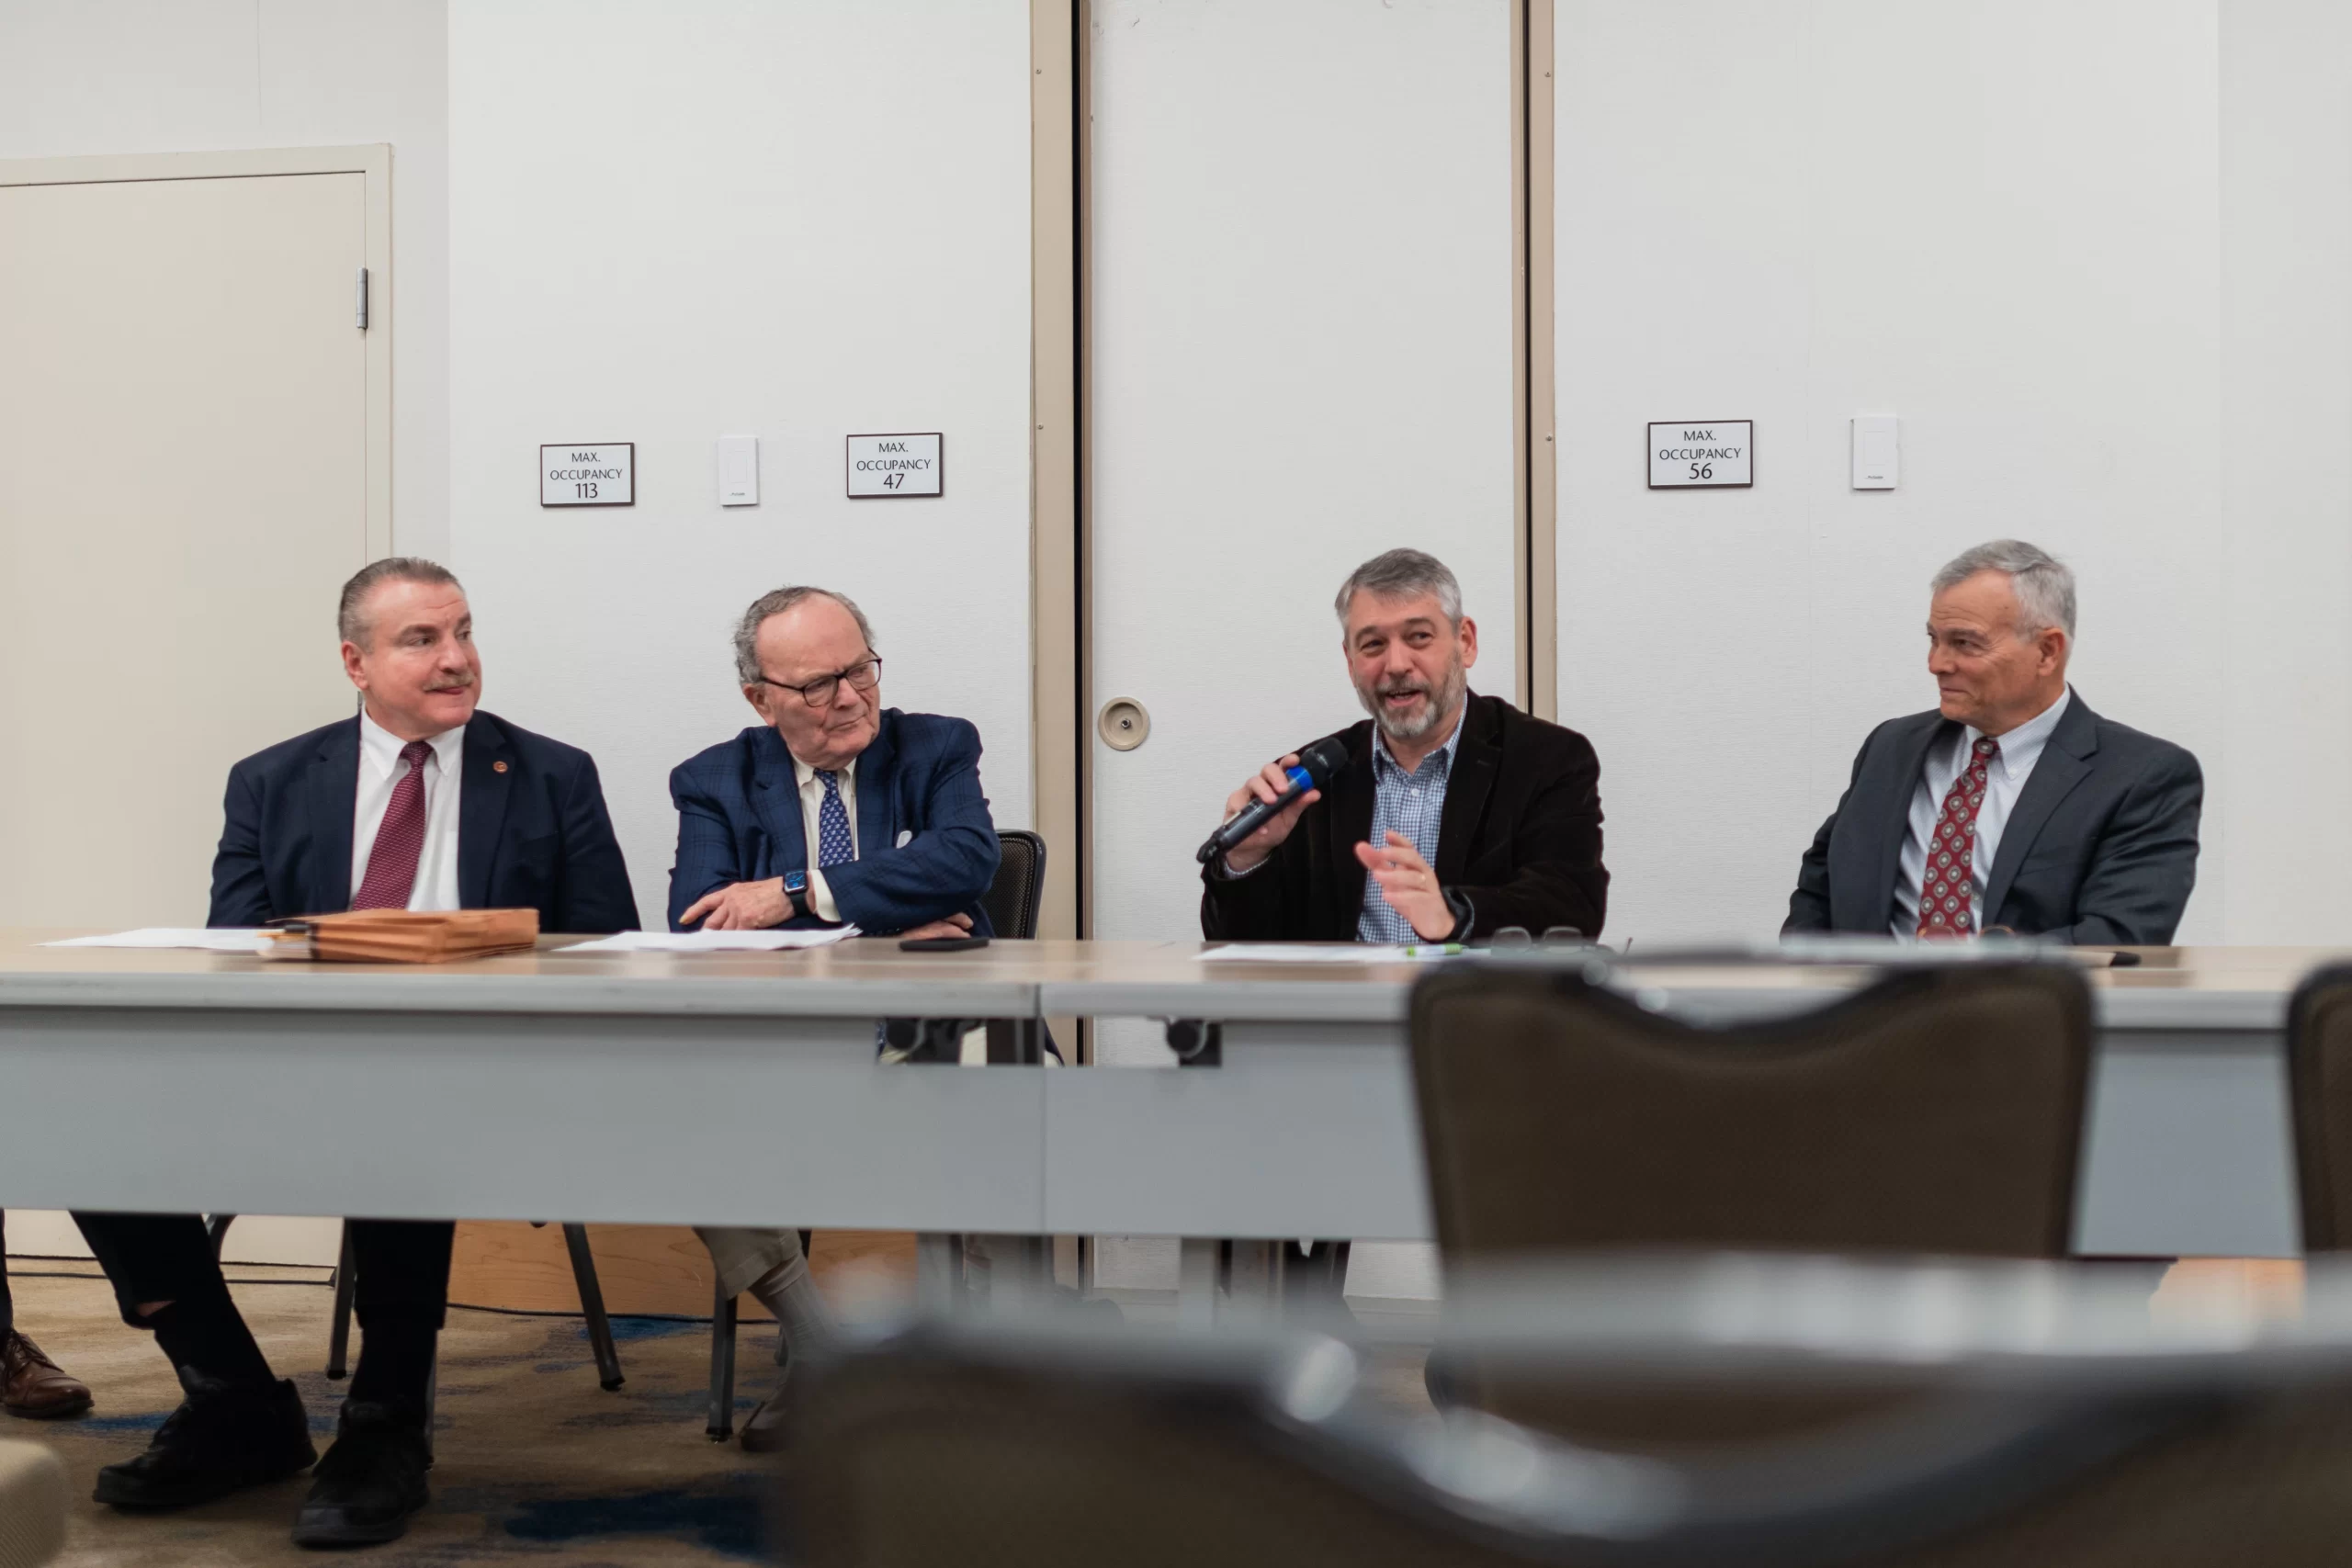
(1453, 817)
(1445, 817)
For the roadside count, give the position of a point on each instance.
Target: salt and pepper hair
(350, 624)
(1402, 574)
(747, 630)
(2044, 586)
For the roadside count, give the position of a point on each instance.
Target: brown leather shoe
(33, 1385)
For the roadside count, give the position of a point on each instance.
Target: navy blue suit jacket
(738, 820)
(533, 834)
(2101, 848)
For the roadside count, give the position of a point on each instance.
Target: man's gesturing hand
(1267, 785)
(741, 906)
(1409, 885)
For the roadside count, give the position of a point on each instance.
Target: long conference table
(744, 1088)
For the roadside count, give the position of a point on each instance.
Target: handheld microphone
(1317, 765)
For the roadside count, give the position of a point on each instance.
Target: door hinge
(360, 305)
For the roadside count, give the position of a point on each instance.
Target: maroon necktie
(391, 863)
(1943, 888)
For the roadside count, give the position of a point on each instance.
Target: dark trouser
(399, 1284)
(7, 1303)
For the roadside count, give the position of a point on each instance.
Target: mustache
(1400, 686)
(463, 681)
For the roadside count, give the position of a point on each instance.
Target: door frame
(1062, 695)
(374, 162)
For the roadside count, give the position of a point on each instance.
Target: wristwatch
(796, 887)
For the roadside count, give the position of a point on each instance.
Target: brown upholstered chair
(1936, 1112)
(1058, 1446)
(2318, 1067)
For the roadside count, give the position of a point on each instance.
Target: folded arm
(943, 869)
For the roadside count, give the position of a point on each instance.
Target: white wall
(89, 76)
(2093, 255)
(669, 223)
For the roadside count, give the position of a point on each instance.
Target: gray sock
(801, 1319)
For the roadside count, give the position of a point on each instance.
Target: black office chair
(1011, 903)
(2053, 1424)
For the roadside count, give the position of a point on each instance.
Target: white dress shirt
(2004, 782)
(380, 769)
(812, 801)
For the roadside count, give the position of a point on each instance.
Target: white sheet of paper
(1319, 953)
(228, 940)
(712, 942)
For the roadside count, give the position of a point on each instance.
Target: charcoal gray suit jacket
(2100, 849)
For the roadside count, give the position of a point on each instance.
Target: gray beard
(1441, 702)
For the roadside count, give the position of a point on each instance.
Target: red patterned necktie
(391, 863)
(1944, 889)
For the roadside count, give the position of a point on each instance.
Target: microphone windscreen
(1324, 760)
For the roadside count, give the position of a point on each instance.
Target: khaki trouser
(744, 1256)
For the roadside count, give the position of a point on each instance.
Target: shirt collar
(382, 749)
(803, 774)
(1381, 754)
(2021, 746)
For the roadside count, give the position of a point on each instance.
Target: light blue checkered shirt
(1411, 804)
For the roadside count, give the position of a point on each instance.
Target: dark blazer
(738, 820)
(1519, 839)
(532, 834)
(2100, 849)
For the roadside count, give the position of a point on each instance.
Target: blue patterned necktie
(833, 843)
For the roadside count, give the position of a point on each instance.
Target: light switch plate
(739, 471)
(1878, 451)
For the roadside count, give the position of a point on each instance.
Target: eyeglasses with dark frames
(862, 676)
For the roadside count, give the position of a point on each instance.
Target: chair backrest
(1936, 1110)
(1013, 897)
(2319, 1067)
(1072, 1448)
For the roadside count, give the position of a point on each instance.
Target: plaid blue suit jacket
(738, 820)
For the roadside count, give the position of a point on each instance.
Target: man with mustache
(1456, 815)
(832, 809)
(419, 802)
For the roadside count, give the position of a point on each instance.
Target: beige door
(184, 457)
(183, 486)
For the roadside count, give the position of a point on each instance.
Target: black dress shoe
(370, 1482)
(223, 1438)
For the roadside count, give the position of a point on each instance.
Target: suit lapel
(1475, 762)
(877, 825)
(483, 790)
(1349, 800)
(333, 792)
(2064, 763)
(775, 796)
(1910, 763)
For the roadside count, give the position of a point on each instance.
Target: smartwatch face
(795, 882)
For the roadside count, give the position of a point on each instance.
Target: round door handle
(1122, 724)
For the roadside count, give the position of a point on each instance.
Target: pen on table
(1435, 950)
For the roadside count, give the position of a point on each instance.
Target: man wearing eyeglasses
(831, 808)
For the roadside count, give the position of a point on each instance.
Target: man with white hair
(2011, 807)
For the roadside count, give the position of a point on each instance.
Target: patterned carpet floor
(535, 1464)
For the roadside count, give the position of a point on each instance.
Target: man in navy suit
(832, 809)
(419, 802)
(2011, 807)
